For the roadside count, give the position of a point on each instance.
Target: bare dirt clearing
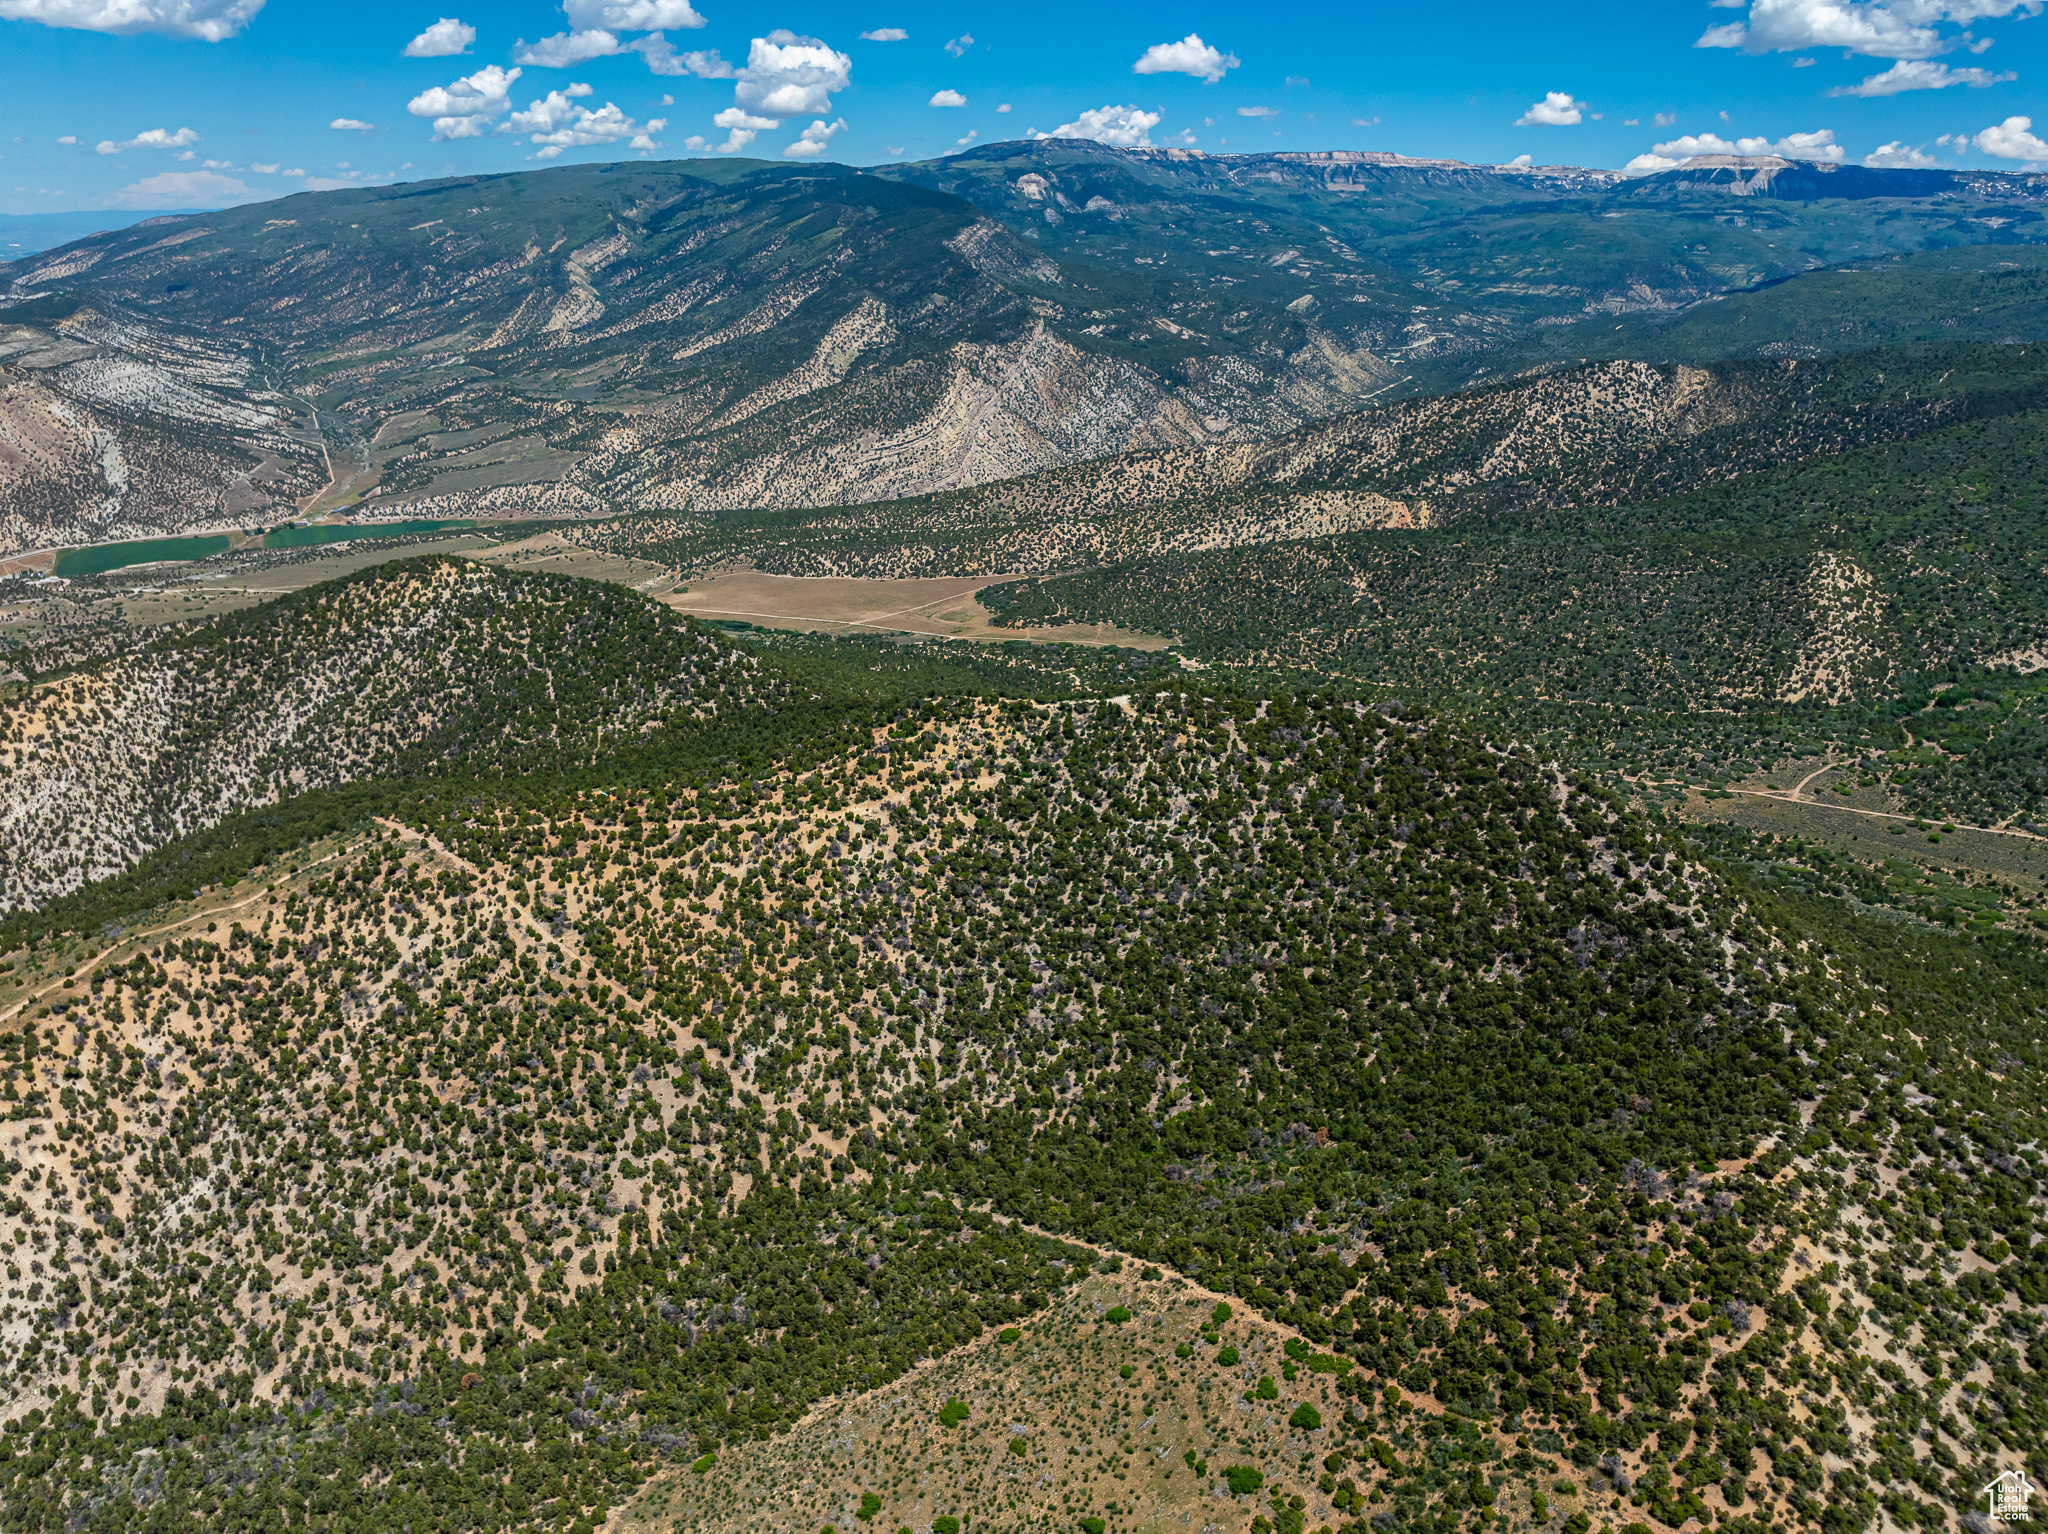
(148, 595)
(1087, 1411)
(1961, 850)
(945, 606)
(549, 551)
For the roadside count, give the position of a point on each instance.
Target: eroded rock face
(1592, 435)
(661, 342)
(662, 338)
(111, 428)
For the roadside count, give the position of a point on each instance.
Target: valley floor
(940, 607)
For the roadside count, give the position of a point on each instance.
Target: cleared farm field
(942, 606)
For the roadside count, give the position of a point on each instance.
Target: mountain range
(1066, 840)
(705, 336)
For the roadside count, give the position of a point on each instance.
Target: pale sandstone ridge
(1849, 651)
(110, 428)
(753, 337)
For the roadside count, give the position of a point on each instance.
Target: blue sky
(198, 103)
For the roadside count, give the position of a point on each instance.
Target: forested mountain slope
(1475, 242)
(407, 668)
(1611, 435)
(480, 1052)
(702, 336)
(1821, 606)
(693, 334)
(465, 1176)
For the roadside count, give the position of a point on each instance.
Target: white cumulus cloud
(1884, 29)
(150, 138)
(1555, 110)
(1898, 155)
(1189, 56)
(632, 15)
(185, 189)
(467, 107)
(663, 59)
(947, 99)
(352, 125)
(1921, 75)
(444, 39)
(557, 122)
(884, 35)
(958, 46)
(210, 21)
(812, 141)
(553, 108)
(786, 75)
(2013, 139)
(1258, 111)
(1119, 127)
(347, 178)
(741, 128)
(705, 64)
(1817, 145)
(564, 50)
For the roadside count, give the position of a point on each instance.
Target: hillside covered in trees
(1519, 1011)
(501, 1144)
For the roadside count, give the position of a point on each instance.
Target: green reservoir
(342, 532)
(102, 557)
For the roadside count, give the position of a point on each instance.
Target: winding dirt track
(1850, 809)
(84, 966)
